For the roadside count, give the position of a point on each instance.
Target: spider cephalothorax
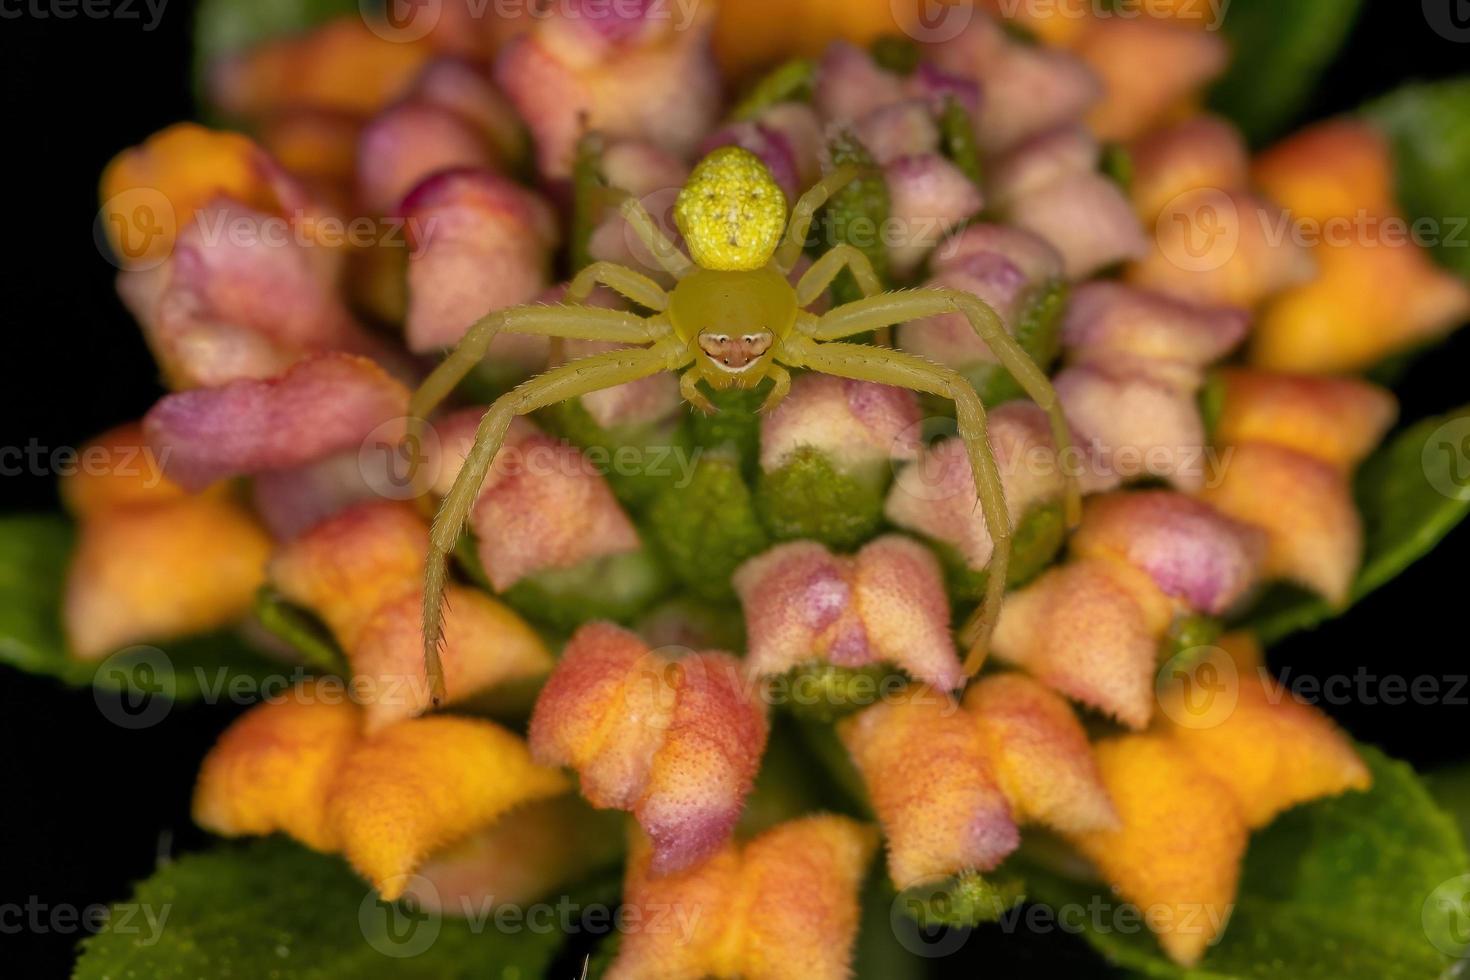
(733, 319)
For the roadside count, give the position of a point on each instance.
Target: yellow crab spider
(732, 320)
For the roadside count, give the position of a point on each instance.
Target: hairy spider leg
(888, 309)
(620, 279)
(819, 278)
(805, 212)
(891, 367)
(668, 255)
(569, 381)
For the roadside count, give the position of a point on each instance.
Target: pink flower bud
(1108, 319)
(323, 405)
(885, 604)
(929, 198)
(1192, 551)
(408, 143)
(623, 71)
(675, 741)
(480, 243)
(936, 496)
(932, 784)
(543, 505)
(855, 424)
(1198, 153)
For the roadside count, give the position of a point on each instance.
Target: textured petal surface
(1040, 754)
(936, 496)
(677, 741)
(424, 784)
(1089, 629)
(320, 406)
(1192, 551)
(887, 604)
(152, 572)
(1106, 319)
(485, 645)
(349, 567)
(1337, 420)
(270, 771)
(852, 423)
(784, 905)
(481, 243)
(1134, 420)
(1177, 852)
(931, 782)
(1314, 533)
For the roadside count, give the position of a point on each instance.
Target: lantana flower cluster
(637, 580)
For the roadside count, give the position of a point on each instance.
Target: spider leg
(891, 367)
(575, 322)
(621, 279)
(816, 280)
(877, 312)
(664, 251)
(689, 391)
(804, 212)
(568, 381)
(782, 388)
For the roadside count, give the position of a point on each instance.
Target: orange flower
(784, 905)
(387, 801)
(161, 571)
(1337, 420)
(1377, 292)
(130, 474)
(1177, 851)
(933, 786)
(677, 742)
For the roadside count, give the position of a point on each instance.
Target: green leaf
(1451, 787)
(1279, 51)
(1337, 890)
(707, 529)
(223, 27)
(791, 82)
(272, 909)
(34, 554)
(1429, 127)
(962, 901)
(1411, 493)
(808, 498)
(735, 426)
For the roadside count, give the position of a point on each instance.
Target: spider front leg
(573, 322)
(819, 278)
(891, 367)
(895, 308)
(624, 281)
(660, 246)
(805, 212)
(566, 382)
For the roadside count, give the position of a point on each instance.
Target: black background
(86, 807)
